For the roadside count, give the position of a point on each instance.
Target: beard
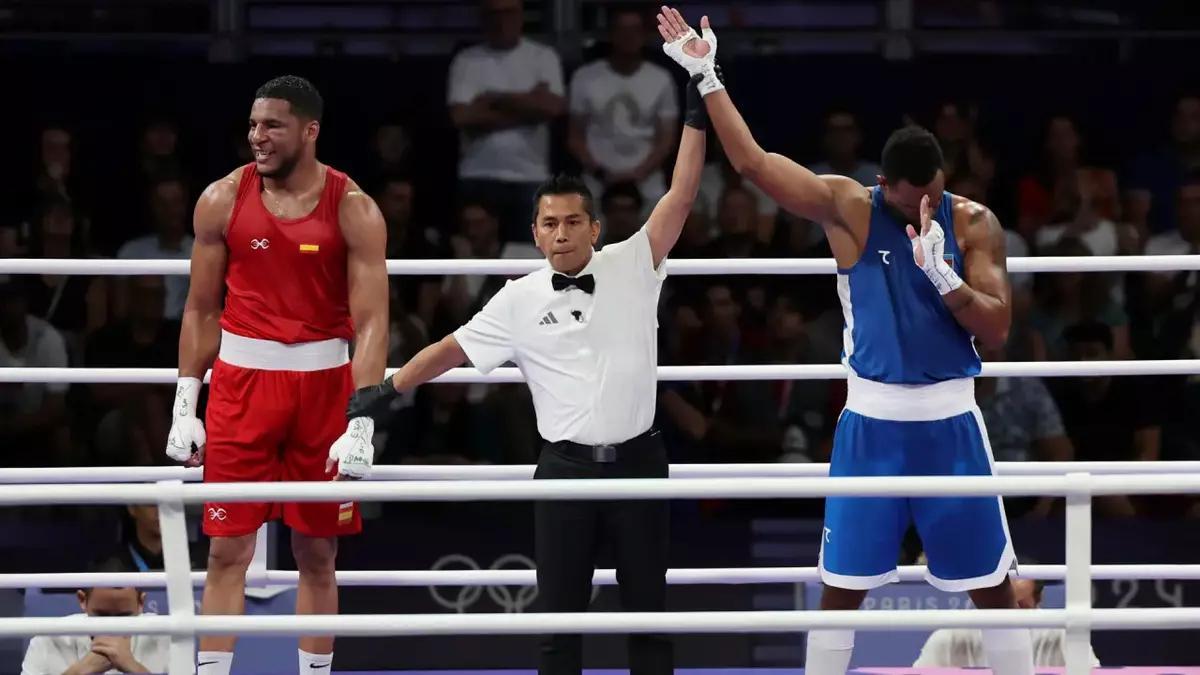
(286, 166)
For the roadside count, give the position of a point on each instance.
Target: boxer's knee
(316, 557)
(230, 554)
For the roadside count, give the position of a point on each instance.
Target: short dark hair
(305, 99)
(623, 189)
(565, 184)
(911, 154)
(108, 565)
(1089, 331)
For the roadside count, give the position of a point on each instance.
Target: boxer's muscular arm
(200, 332)
(982, 305)
(832, 201)
(366, 268)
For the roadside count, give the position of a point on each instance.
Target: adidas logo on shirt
(548, 319)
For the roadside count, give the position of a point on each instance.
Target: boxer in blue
(921, 277)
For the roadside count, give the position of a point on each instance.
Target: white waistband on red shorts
(910, 402)
(244, 352)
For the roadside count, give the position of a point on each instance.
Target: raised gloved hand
(696, 53)
(186, 429)
(929, 250)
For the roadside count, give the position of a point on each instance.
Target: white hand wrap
(354, 451)
(186, 429)
(932, 247)
(705, 65)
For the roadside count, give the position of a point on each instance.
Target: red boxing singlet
(286, 279)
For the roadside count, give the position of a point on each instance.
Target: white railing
(1124, 263)
(1078, 618)
(393, 472)
(832, 371)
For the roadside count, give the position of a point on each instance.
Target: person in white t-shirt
(170, 240)
(963, 647)
(32, 414)
(624, 112)
(502, 94)
(85, 655)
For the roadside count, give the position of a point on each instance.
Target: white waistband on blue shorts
(910, 402)
(244, 352)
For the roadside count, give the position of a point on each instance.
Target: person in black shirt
(1107, 418)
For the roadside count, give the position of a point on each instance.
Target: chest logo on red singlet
(257, 244)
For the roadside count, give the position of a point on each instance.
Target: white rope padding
(393, 472)
(595, 489)
(665, 373)
(602, 577)
(1124, 263)
(362, 625)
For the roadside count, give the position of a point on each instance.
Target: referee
(583, 331)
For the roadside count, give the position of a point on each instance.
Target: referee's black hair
(565, 184)
(305, 99)
(911, 154)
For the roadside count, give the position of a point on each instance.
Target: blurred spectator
(391, 152)
(722, 421)
(621, 210)
(736, 225)
(963, 647)
(130, 420)
(170, 222)
(842, 143)
(1154, 177)
(443, 427)
(955, 128)
(1047, 195)
(717, 177)
(1092, 219)
(406, 240)
(1184, 237)
(83, 655)
(624, 112)
(158, 158)
(1067, 298)
(55, 176)
(141, 539)
(696, 237)
(75, 305)
(1023, 424)
(502, 94)
(1107, 418)
(32, 415)
(478, 238)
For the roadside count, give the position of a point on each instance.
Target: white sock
(213, 663)
(828, 652)
(315, 664)
(1009, 650)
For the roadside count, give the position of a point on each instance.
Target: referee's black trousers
(568, 537)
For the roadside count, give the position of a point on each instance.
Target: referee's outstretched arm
(430, 362)
(667, 218)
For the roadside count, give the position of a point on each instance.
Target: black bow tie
(585, 283)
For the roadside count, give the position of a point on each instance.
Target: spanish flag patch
(345, 513)
(309, 248)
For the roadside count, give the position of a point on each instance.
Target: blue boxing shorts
(913, 430)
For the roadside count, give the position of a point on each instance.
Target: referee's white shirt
(590, 359)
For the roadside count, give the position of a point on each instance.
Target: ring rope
(680, 267)
(665, 373)
(728, 622)
(603, 489)
(602, 577)
(513, 472)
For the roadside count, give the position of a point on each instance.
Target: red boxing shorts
(266, 424)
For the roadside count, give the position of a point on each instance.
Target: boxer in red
(296, 249)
